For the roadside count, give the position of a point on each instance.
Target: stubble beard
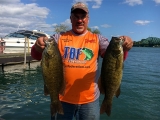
(80, 30)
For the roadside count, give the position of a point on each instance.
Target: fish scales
(52, 70)
(111, 73)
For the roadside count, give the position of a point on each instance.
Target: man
(81, 95)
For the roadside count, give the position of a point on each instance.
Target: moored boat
(15, 42)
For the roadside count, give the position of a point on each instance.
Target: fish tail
(106, 107)
(56, 108)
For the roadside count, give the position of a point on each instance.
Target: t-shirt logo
(88, 53)
(78, 55)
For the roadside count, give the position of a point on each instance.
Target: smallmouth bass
(111, 73)
(52, 70)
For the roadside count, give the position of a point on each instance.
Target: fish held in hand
(111, 73)
(52, 70)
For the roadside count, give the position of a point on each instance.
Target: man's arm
(35, 54)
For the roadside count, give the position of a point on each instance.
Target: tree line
(64, 28)
(148, 42)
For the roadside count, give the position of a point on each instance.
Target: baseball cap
(79, 5)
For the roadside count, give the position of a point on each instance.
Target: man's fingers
(40, 44)
(44, 39)
(128, 43)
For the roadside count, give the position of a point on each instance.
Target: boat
(15, 42)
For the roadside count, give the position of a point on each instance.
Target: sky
(138, 19)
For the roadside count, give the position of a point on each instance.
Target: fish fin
(56, 108)
(63, 84)
(100, 86)
(118, 92)
(106, 107)
(46, 91)
(62, 88)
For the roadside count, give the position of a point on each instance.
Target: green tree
(96, 31)
(89, 29)
(64, 28)
(61, 28)
(148, 42)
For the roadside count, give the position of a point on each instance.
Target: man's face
(79, 20)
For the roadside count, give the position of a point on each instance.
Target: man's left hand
(128, 43)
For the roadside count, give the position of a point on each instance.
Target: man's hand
(40, 44)
(128, 43)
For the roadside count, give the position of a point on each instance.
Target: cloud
(16, 15)
(157, 1)
(133, 2)
(142, 22)
(96, 3)
(54, 24)
(105, 26)
(95, 27)
(67, 22)
(9, 1)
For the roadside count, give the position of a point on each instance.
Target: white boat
(15, 42)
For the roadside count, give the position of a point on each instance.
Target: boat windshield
(25, 33)
(33, 37)
(16, 35)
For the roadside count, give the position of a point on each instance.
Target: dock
(15, 58)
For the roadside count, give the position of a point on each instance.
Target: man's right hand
(40, 44)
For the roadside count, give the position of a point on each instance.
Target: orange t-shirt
(79, 54)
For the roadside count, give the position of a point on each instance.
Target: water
(21, 91)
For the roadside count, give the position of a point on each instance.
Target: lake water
(21, 91)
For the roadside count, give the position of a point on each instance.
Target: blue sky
(136, 18)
